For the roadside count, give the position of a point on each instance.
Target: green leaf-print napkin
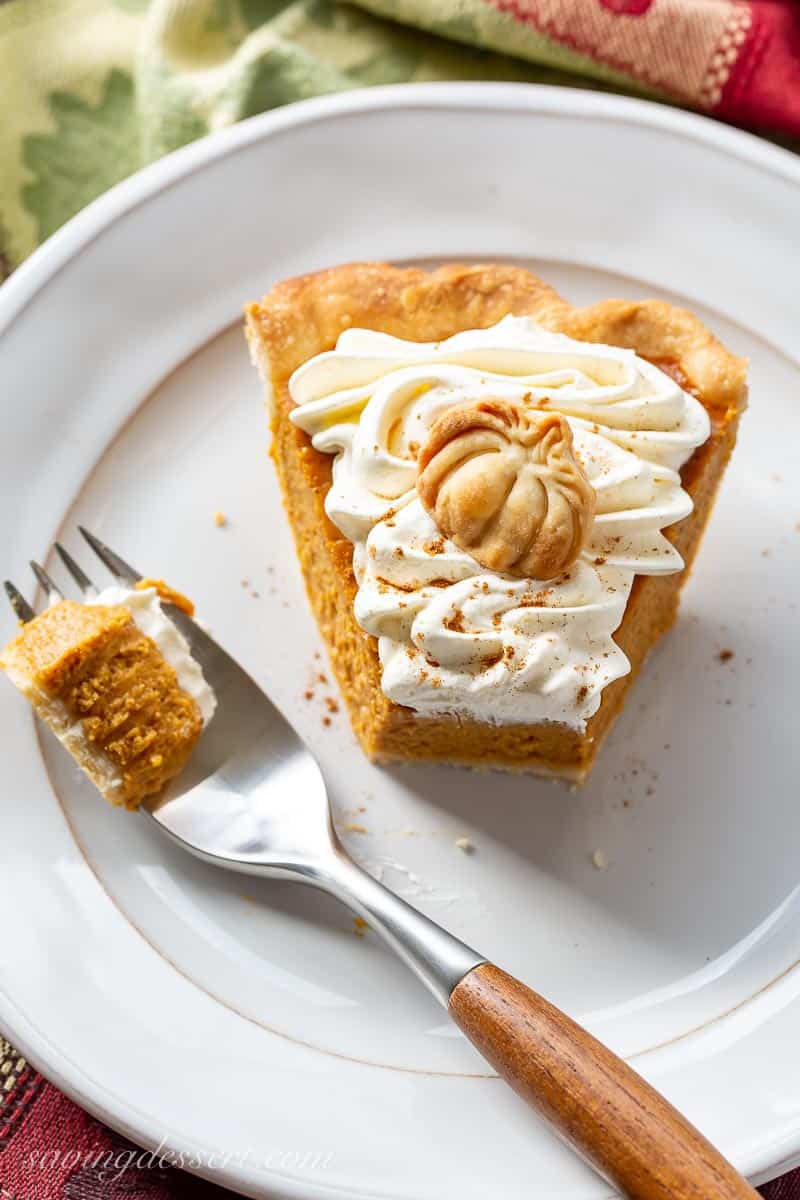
(90, 90)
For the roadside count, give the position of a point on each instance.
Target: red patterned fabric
(51, 1150)
(737, 59)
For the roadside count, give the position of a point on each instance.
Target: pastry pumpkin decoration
(503, 483)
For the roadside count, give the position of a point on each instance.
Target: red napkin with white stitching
(734, 59)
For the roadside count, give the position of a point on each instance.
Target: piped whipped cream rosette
(454, 636)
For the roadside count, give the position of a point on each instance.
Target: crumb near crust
(168, 594)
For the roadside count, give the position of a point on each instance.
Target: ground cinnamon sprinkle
(455, 622)
(537, 600)
(583, 692)
(331, 704)
(725, 655)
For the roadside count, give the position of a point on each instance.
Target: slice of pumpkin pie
(495, 497)
(116, 683)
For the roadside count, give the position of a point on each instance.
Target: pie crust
(501, 481)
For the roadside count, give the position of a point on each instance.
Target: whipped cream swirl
(453, 637)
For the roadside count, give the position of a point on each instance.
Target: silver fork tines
(78, 574)
(53, 591)
(123, 572)
(22, 610)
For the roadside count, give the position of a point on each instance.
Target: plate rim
(62, 247)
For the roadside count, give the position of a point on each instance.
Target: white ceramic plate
(245, 1024)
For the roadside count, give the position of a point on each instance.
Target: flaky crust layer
(302, 317)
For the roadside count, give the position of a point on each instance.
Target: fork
(253, 799)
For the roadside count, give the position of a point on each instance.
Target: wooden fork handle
(630, 1133)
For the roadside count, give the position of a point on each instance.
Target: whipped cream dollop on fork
(452, 636)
